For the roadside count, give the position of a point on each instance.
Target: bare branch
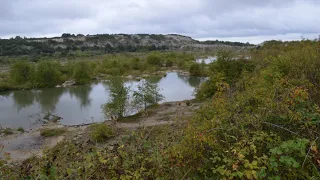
(309, 151)
(275, 125)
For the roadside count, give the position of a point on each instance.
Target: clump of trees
(48, 72)
(195, 69)
(22, 72)
(44, 74)
(81, 73)
(155, 59)
(120, 103)
(147, 94)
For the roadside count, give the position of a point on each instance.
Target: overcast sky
(235, 20)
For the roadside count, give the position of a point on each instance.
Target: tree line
(48, 72)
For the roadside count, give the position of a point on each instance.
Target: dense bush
(226, 69)
(48, 74)
(195, 69)
(155, 59)
(21, 72)
(82, 73)
(101, 132)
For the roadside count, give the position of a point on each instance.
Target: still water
(79, 104)
(207, 60)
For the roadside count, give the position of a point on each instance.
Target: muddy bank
(24, 145)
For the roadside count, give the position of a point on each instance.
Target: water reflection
(193, 81)
(48, 98)
(82, 94)
(4, 95)
(23, 99)
(81, 103)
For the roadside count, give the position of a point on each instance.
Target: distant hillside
(108, 43)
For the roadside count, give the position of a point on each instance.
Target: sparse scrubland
(259, 119)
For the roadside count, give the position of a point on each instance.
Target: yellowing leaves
(235, 166)
(314, 149)
(241, 156)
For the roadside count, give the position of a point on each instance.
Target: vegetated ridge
(108, 43)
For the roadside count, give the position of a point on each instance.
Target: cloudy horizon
(232, 20)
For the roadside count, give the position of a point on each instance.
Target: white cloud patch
(245, 20)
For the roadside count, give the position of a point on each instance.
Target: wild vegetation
(260, 119)
(147, 94)
(101, 132)
(124, 100)
(50, 132)
(49, 72)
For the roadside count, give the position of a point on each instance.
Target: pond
(79, 104)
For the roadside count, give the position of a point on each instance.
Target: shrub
(208, 88)
(21, 72)
(50, 132)
(195, 69)
(7, 131)
(101, 132)
(48, 74)
(82, 73)
(154, 59)
(20, 129)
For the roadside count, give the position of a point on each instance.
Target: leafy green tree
(21, 72)
(82, 73)
(154, 59)
(119, 95)
(48, 74)
(147, 94)
(195, 69)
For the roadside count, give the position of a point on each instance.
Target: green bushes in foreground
(264, 124)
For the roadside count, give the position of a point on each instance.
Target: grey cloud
(199, 19)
